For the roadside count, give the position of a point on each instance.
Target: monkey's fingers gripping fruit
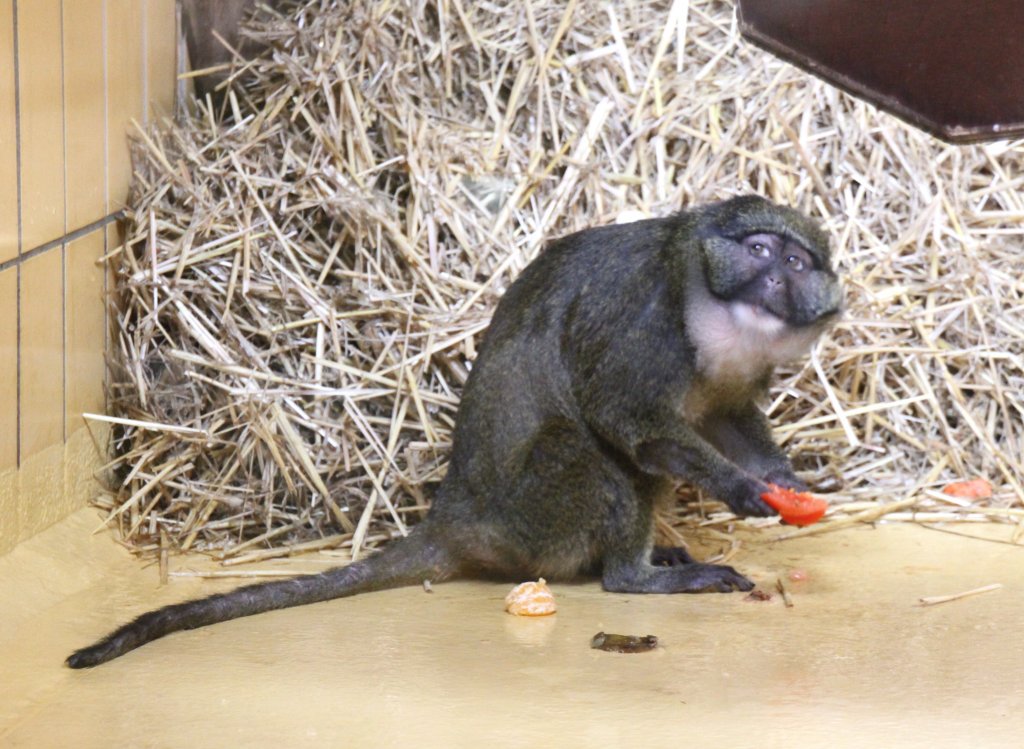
(796, 508)
(530, 599)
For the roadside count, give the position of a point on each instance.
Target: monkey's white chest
(737, 342)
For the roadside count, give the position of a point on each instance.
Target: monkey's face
(777, 278)
(773, 266)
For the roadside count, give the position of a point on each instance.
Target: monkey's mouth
(757, 318)
(761, 310)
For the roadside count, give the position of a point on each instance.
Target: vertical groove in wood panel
(85, 130)
(8, 135)
(41, 393)
(84, 323)
(8, 368)
(41, 122)
(124, 92)
(63, 244)
(17, 286)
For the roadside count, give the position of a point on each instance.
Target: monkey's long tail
(407, 561)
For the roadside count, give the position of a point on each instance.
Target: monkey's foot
(671, 556)
(689, 578)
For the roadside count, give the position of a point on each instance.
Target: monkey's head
(771, 263)
(760, 285)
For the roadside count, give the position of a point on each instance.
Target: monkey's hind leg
(641, 576)
(631, 565)
(670, 556)
(576, 506)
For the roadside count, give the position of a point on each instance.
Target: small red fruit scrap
(796, 508)
(973, 489)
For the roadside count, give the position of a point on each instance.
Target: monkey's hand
(745, 500)
(692, 459)
(744, 436)
(785, 477)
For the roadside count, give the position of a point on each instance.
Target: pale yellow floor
(854, 664)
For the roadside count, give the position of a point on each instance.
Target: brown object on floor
(623, 643)
(950, 67)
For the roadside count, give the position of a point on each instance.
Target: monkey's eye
(796, 263)
(761, 250)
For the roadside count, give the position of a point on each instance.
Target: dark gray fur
(603, 380)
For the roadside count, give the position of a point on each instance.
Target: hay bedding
(303, 285)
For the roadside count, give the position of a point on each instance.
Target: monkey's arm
(744, 436)
(638, 410)
(677, 450)
(656, 438)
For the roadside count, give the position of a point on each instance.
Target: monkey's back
(581, 295)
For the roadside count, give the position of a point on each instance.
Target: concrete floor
(855, 663)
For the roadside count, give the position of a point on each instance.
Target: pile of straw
(305, 281)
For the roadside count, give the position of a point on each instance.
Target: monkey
(623, 360)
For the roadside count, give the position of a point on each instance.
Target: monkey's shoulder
(627, 236)
(599, 265)
(610, 249)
